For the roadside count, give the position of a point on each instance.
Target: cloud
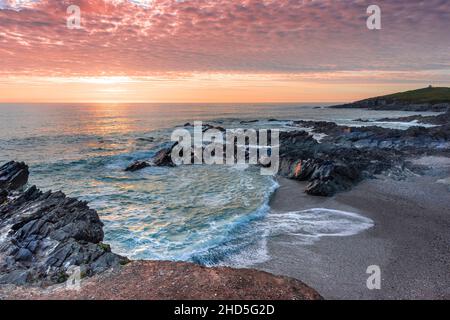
(139, 38)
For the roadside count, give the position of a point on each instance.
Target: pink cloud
(287, 36)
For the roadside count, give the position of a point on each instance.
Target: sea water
(213, 215)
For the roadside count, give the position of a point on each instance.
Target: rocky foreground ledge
(43, 236)
(164, 280)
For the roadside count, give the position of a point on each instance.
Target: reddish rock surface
(152, 280)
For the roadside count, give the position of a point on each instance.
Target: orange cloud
(318, 40)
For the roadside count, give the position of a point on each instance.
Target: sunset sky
(220, 50)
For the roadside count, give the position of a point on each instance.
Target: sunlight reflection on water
(185, 213)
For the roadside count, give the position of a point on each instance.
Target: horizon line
(171, 102)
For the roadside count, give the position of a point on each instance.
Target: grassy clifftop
(426, 99)
(427, 95)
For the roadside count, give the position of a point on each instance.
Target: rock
(441, 119)
(45, 234)
(149, 139)
(362, 120)
(207, 127)
(138, 165)
(3, 196)
(325, 177)
(163, 158)
(248, 121)
(329, 178)
(13, 175)
(348, 155)
(415, 139)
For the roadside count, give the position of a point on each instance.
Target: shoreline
(409, 240)
(397, 222)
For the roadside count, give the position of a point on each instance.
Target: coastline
(409, 240)
(397, 222)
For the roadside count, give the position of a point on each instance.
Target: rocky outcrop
(207, 126)
(441, 119)
(44, 235)
(162, 158)
(138, 165)
(330, 167)
(347, 155)
(13, 175)
(3, 196)
(248, 121)
(414, 140)
(325, 177)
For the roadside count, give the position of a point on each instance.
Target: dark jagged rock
(325, 177)
(149, 139)
(441, 119)
(138, 165)
(415, 139)
(13, 175)
(350, 154)
(207, 127)
(327, 167)
(362, 120)
(3, 196)
(163, 158)
(46, 234)
(347, 155)
(248, 121)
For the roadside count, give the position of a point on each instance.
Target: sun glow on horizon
(210, 87)
(218, 50)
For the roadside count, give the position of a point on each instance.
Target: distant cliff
(426, 99)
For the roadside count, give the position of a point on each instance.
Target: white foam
(310, 225)
(305, 227)
(444, 181)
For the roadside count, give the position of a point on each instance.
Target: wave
(302, 227)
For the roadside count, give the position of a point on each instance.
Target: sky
(220, 50)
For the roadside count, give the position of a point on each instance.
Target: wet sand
(410, 239)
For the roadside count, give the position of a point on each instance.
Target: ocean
(212, 215)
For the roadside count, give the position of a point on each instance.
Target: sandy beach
(410, 239)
